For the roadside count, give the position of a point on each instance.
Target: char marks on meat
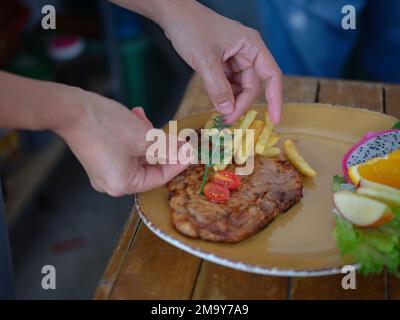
(273, 188)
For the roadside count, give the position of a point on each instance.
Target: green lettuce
(336, 182)
(373, 249)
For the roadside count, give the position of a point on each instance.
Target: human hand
(110, 143)
(231, 59)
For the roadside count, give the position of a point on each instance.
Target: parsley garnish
(219, 124)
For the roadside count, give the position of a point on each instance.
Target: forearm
(37, 105)
(161, 12)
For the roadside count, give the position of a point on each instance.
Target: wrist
(159, 11)
(74, 106)
(180, 15)
(172, 11)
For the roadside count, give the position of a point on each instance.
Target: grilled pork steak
(273, 188)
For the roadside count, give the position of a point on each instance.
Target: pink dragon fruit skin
(372, 145)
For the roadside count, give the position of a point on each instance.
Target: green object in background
(396, 125)
(31, 66)
(134, 55)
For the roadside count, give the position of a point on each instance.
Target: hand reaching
(110, 142)
(231, 59)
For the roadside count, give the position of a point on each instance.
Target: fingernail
(225, 107)
(228, 120)
(275, 118)
(135, 110)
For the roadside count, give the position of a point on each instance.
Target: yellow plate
(299, 242)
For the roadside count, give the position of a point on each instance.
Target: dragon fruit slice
(372, 145)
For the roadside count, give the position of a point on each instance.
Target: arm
(37, 105)
(107, 138)
(231, 59)
(161, 12)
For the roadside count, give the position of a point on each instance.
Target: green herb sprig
(219, 124)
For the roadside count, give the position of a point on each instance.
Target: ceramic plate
(299, 242)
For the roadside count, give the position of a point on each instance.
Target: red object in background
(69, 245)
(13, 18)
(64, 41)
(70, 60)
(66, 48)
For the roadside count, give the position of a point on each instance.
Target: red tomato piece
(227, 179)
(216, 193)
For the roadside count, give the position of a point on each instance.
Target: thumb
(217, 86)
(139, 112)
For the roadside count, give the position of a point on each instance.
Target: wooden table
(145, 267)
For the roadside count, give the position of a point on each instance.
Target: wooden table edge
(118, 256)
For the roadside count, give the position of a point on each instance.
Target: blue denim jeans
(6, 276)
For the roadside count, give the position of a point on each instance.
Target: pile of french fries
(264, 142)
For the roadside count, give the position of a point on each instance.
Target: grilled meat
(273, 188)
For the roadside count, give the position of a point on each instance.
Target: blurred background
(53, 215)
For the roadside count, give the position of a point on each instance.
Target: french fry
(236, 124)
(228, 145)
(244, 149)
(257, 126)
(273, 140)
(245, 124)
(297, 160)
(248, 119)
(270, 152)
(264, 135)
(247, 147)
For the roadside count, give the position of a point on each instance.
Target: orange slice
(394, 155)
(384, 170)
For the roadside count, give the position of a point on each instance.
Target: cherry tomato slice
(227, 179)
(216, 193)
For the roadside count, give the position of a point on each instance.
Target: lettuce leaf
(337, 181)
(374, 249)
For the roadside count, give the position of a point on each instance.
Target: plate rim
(251, 268)
(294, 104)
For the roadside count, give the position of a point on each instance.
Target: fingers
(273, 95)
(165, 148)
(144, 178)
(250, 90)
(267, 69)
(139, 112)
(236, 88)
(217, 86)
(148, 177)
